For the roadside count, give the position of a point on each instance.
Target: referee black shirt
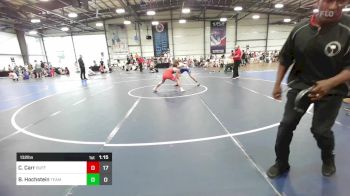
(317, 53)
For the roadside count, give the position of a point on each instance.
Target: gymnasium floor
(216, 139)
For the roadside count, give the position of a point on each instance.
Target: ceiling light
(33, 32)
(315, 11)
(186, 10)
(64, 29)
(182, 21)
(99, 24)
(287, 20)
(72, 15)
(238, 8)
(255, 17)
(347, 9)
(35, 20)
(151, 13)
(155, 23)
(127, 22)
(279, 5)
(120, 11)
(223, 19)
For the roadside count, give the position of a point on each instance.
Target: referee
(319, 51)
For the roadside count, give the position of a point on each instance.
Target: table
(162, 65)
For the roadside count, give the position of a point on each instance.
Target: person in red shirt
(140, 61)
(237, 59)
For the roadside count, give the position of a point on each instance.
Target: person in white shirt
(13, 76)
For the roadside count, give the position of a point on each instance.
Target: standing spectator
(140, 61)
(244, 57)
(237, 58)
(42, 65)
(37, 69)
(82, 68)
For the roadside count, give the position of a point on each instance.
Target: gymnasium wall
(189, 39)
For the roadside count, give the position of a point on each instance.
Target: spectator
(237, 58)
(82, 68)
(13, 76)
(66, 71)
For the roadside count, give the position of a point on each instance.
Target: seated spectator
(60, 71)
(152, 68)
(13, 76)
(90, 72)
(102, 69)
(52, 72)
(25, 75)
(16, 70)
(45, 73)
(30, 67)
(66, 71)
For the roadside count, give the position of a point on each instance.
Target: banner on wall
(160, 39)
(217, 37)
(117, 41)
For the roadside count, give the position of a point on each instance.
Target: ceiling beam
(60, 16)
(129, 8)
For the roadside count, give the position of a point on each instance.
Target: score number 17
(105, 167)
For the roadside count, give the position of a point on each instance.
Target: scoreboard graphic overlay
(85, 169)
